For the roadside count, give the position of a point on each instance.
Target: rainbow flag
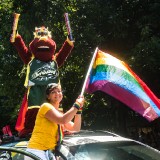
(114, 77)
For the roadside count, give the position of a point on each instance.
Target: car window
(111, 151)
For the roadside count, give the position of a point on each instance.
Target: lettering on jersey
(45, 72)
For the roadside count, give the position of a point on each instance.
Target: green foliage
(128, 29)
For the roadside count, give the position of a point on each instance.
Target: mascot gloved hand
(42, 69)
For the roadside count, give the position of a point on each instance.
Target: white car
(89, 145)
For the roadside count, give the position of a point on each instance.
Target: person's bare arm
(74, 126)
(54, 116)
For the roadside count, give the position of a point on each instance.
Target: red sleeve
(63, 53)
(23, 51)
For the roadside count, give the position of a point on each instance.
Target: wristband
(77, 106)
(70, 42)
(78, 103)
(79, 112)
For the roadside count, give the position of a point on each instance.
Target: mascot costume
(42, 69)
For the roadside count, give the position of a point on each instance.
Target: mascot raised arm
(42, 69)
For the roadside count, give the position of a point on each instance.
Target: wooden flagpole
(88, 72)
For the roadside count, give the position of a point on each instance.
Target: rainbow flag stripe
(115, 78)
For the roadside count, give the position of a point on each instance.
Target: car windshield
(113, 151)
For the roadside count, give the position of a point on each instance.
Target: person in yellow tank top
(45, 133)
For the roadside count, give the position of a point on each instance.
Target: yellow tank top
(44, 135)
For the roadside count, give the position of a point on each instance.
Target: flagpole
(88, 72)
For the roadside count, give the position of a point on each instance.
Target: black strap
(57, 148)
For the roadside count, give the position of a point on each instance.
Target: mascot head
(43, 47)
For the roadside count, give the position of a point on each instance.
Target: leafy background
(127, 29)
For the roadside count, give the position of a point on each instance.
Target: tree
(128, 29)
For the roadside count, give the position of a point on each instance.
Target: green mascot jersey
(39, 74)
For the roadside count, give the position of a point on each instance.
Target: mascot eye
(38, 33)
(45, 33)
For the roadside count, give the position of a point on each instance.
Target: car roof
(78, 138)
(87, 136)
(93, 132)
